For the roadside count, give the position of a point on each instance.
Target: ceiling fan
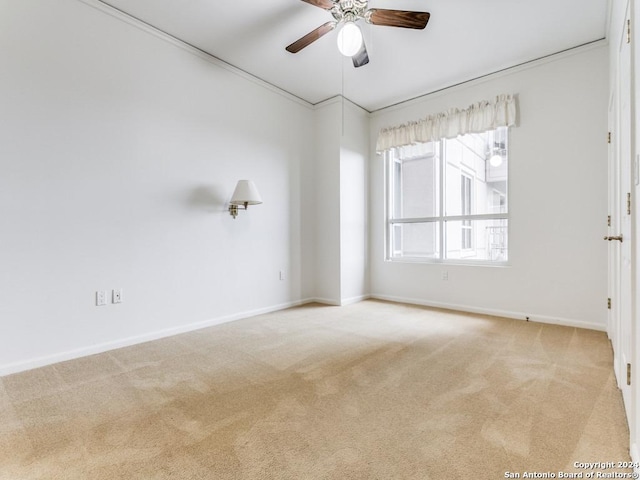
(348, 12)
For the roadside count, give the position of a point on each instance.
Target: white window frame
(467, 226)
(392, 224)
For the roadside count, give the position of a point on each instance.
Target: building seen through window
(447, 200)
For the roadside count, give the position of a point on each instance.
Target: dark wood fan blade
(326, 4)
(311, 37)
(361, 58)
(398, 18)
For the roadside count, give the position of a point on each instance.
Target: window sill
(458, 262)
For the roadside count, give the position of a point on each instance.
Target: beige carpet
(370, 391)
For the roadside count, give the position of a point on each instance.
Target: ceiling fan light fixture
(349, 39)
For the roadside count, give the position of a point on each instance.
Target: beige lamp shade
(246, 193)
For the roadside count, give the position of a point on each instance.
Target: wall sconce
(245, 194)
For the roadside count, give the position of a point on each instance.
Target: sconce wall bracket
(233, 209)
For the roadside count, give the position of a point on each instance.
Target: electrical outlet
(281, 274)
(445, 276)
(101, 298)
(116, 295)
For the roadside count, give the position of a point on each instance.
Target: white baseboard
(352, 300)
(17, 367)
(325, 301)
(567, 322)
(339, 303)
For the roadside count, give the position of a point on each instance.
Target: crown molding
(187, 47)
(553, 57)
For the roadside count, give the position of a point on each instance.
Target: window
(447, 200)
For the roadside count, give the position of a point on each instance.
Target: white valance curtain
(479, 117)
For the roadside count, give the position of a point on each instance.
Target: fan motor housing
(349, 10)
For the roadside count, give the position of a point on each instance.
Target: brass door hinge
(628, 203)
(628, 31)
(628, 374)
(608, 220)
(609, 303)
(609, 137)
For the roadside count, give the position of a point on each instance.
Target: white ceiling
(464, 39)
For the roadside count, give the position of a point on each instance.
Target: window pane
(417, 178)
(462, 177)
(415, 240)
(476, 173)
(477, 240)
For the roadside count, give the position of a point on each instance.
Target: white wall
(557, 199)
(326, 177)
(118, 152)
(354, 154)
(340, 182)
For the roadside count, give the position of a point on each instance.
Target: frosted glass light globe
(496, 160)
(349, 39)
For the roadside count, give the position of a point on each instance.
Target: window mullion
(441, 189)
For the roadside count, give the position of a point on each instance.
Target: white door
(620, 230)
(613, 321)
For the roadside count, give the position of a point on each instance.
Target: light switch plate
(101, 298)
